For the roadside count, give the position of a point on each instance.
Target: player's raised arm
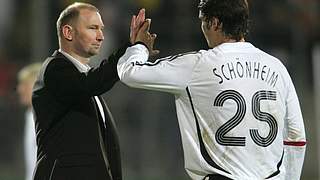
(134, 69)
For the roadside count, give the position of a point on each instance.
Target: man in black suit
(76, 134)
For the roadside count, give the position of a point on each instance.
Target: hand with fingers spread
(136, 23)
(146, 37)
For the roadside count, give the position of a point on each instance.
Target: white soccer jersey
(237, 108)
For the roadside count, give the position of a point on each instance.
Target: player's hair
(29, 72)
(71, 13)
(232, 14)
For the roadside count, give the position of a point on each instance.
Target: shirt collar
(234, 46)
(81, 67)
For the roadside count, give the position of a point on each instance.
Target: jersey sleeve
(170, 74)
(294, 136)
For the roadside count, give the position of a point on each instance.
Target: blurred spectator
(26, 79)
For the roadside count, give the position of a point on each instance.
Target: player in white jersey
(237, 108)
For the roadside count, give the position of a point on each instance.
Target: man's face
(88, 33)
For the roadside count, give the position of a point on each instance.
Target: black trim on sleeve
(116, 55)
(278, 168)
(203, 150)
(142, 43)
(169, 58)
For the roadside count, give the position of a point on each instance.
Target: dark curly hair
(232, 14)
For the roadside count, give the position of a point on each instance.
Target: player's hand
(145, 37)
(136, 23)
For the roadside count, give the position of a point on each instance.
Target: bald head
(70, 15)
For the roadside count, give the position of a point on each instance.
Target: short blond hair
(29, 72)
(71, 13)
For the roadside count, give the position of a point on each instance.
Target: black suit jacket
(73, 141)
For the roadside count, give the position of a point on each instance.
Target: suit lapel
(111, 129)
(101, 131)
(99, 119)
(106, 111)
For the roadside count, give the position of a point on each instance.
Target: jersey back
(237, 95)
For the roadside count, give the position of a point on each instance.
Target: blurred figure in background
(238, 111)
(26, 78)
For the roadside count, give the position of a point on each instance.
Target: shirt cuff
(140, 48)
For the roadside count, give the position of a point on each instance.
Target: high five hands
(139, 32)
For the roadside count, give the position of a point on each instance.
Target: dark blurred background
(149, 132)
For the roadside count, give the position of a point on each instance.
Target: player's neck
(231, 40)
(228, 40)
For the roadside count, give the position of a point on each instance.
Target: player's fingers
(146, 26)
(133, 29)
(133, 22)
(152, 39)
(153, 36)
(143, 14)
(140, 17)
(154, 52)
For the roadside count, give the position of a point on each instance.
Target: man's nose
(100, 36)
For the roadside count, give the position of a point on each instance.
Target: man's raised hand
(136, 23)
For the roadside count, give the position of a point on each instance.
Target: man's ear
(213, 23)
(67, 32)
